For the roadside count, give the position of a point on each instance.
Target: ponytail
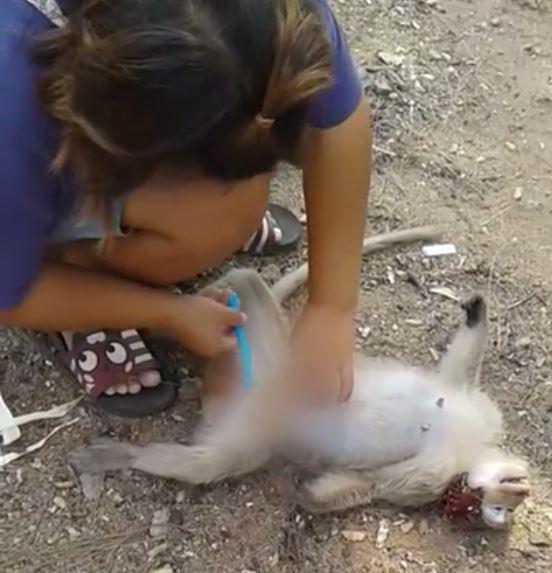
(301, 65)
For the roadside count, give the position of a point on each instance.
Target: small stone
(435, 55)
(423, 527)
(425, 427)
(383, 534)
(440, 403)
(181, 496)
(91, 486)
(164, 569)
(407, 527)
(272, 273)
(496, 22)
(160, 522)
(156, 551)
(518, 193)
(391, 59)
(510, 146)
(354, 536)
(117, 498)
(382, 85)
(178, 418)
(540, 538)
(524, 342)
(364, 331)
(249, 504)
(72, 532)
(60, 502)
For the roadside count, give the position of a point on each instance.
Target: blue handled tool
(244, 352)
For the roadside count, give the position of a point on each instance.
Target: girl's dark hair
(142, 86)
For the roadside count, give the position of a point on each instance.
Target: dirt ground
(462, 99)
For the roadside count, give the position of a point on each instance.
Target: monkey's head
(504, 485)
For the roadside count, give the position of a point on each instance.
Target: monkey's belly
(390, 417)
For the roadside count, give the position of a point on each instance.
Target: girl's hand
(203, 324)
(322, 355)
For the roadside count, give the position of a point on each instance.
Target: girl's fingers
(346, 382)
(227, 342)
(233, 317)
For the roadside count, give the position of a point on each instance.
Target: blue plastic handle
(244, 352)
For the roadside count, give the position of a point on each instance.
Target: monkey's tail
(288, 284)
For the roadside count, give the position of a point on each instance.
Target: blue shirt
(32, 199)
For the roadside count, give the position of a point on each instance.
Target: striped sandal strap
(265, 237)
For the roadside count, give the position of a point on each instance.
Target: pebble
(164, 569)
(518, 193)
(524, 342)
(60, 502)
(407, 527)
(160, 522)
(153, 553)
(364, 331)
(423, 527)
(510, 146)
(354, 536)
(91, 486)
(391, 59)
(383, 534)
(72, 532)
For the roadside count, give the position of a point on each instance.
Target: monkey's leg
(333, 492)
(199, 464)
(462, 362)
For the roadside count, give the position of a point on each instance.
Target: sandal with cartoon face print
(101, 360)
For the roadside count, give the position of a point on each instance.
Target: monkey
(404, 436)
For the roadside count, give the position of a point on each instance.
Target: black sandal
(279, 231)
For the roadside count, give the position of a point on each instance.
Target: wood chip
(445, 292)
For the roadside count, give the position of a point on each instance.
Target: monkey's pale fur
(403, 437)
